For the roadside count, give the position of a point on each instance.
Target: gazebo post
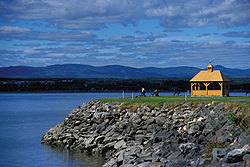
(192, 89)
(221, 88)
(206, 84)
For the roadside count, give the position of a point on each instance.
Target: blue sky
(141, 33)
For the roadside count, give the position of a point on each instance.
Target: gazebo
(210, 83)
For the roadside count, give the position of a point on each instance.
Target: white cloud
(88, 14)
(11, 32)
(12, 29)
(31, 51)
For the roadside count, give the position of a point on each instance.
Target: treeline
(105, 85)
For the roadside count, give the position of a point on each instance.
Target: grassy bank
(158, 101)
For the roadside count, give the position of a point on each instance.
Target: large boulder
(236, 155)
(218, 153)
(186, 147)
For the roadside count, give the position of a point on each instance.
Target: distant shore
(111, 91)
(107, 85)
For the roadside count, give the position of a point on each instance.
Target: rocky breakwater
(183, 135)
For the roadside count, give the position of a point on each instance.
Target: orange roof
(209, 75)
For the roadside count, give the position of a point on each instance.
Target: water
(25, 117)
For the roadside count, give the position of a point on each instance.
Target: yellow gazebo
(210, 83)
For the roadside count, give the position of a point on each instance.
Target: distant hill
(111, 71)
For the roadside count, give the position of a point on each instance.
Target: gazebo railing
(206, 93)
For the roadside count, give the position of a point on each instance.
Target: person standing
(143, 92)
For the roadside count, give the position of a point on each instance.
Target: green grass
(159, 101)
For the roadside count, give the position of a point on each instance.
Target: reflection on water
(72, 158)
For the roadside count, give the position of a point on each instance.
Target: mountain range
(111, 71)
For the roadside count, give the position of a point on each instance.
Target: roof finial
(210, 67)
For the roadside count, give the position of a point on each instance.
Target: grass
(151, 101)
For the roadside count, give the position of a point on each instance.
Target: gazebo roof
(209, 75)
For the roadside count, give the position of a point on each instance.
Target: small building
(210, 83)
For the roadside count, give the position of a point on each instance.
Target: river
(25, 117)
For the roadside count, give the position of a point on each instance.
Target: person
(143, 91)
(155, 93)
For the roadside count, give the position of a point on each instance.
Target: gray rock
(112, 162)
(160, 120)
(127, 165)
(208, 129)
(197, 162)
(235, 155)
(121, 156)
(120, 144)
(237, 164)
(218, 108)
(218, 153)
(136, 119)
(174, 155)
(129, 159)
(186, 147)
(89, 140)
(145, 164)
(178, 163)
(150, 120)
(244, 139)
(193, 129)
(246, 159)
(75, 136)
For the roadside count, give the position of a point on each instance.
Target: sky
(135, 33)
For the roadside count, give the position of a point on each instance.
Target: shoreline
(115, 91)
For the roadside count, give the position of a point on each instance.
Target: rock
(120, 144)
(235, 155)
(193, 129)
(218, 153)
(76, 136)
(208, 129)
(178, 163)
(127, 165)
(145, 108)
(111, 162)
(201, 119)
(186, 147)
(121, 156)
(246, 159)
(218, 108)
(145, 164)
(77, 123)
(136, 119)
(160, 120)
(155, 137)
(129, 159)
(150, 120)
(198, 162)
(89, 140)
(244, 139)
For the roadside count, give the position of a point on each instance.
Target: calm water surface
(25, 117)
